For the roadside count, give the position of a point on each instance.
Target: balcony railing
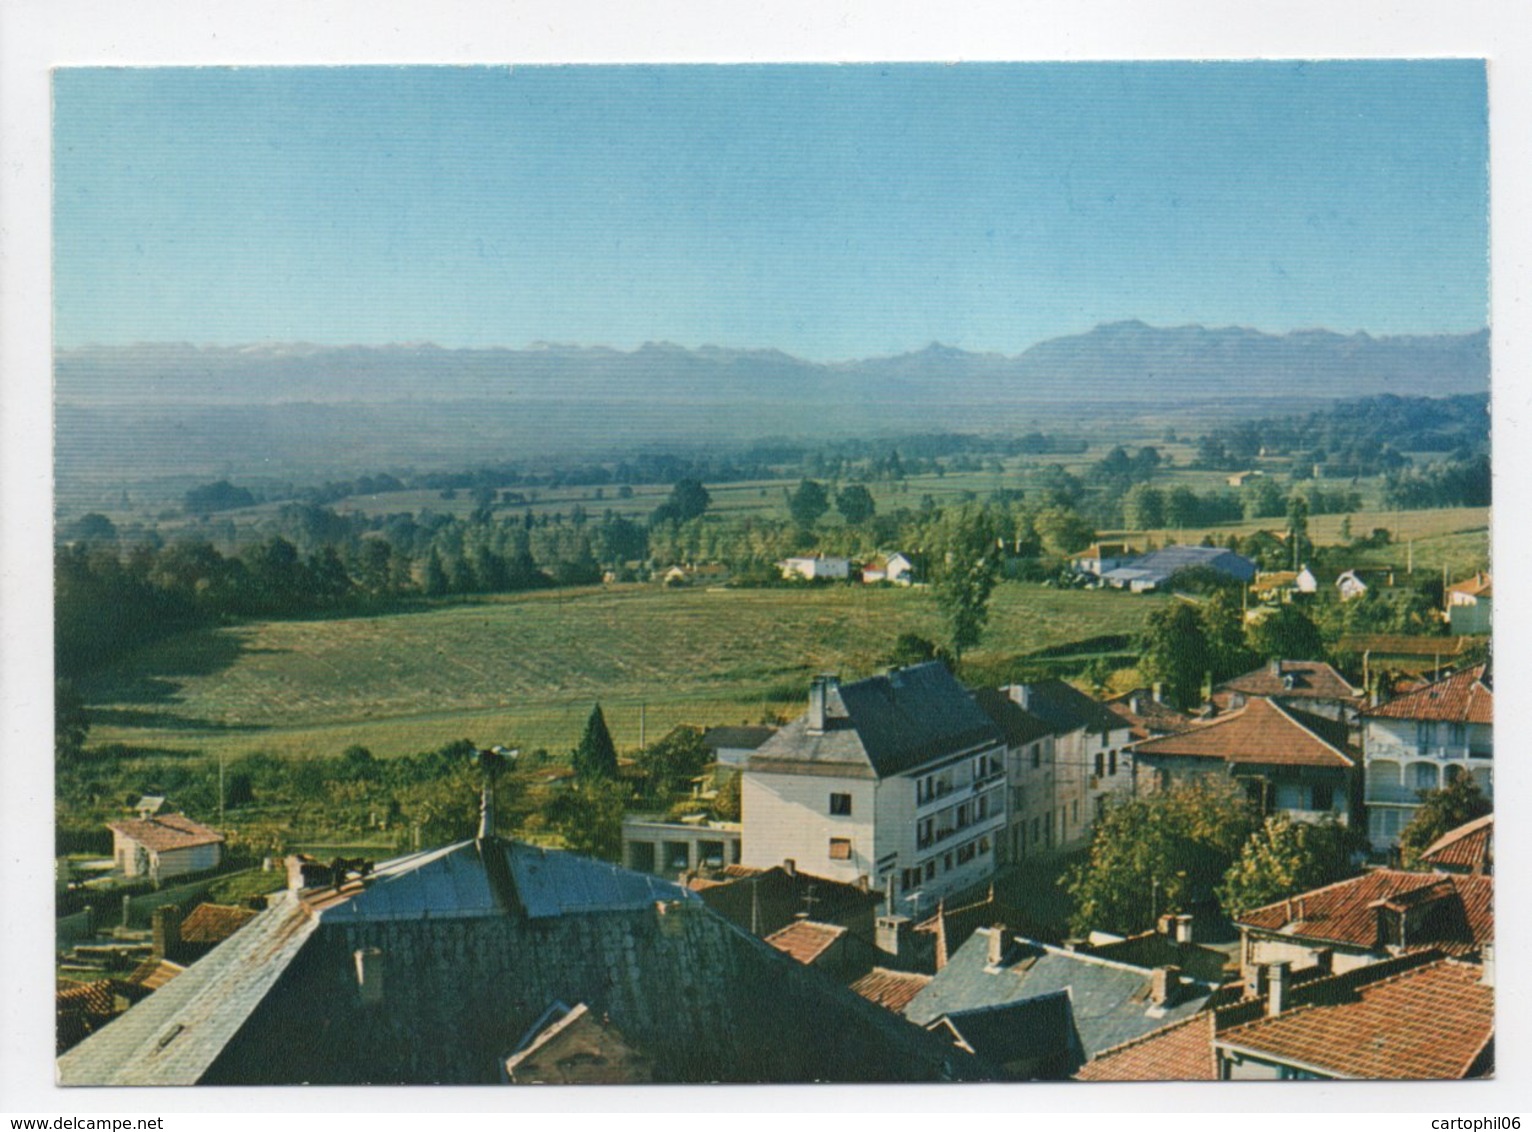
(1385, 792)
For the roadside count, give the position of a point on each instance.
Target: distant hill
(133, 412)
(1118, 361)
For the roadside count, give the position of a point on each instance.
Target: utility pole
(220, 787)
(642, 713)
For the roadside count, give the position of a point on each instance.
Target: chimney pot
(790, 867)
(894, 936)
(996, 945)
(1183, 928)
(1165, 986)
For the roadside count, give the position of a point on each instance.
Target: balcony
(1387, 792)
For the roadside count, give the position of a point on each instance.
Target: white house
(821, 566)
(896, 781)
(1350, 586)
(1469, 605)
(162, 846)
(1421, 741)
(1091, 766)
(1029, 775)
(895, 568)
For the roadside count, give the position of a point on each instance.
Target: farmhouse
(1155, 569)
(1100, 557)
(1288, 761)
(1421, 741)
(896, 568)
(1468, 605)
(896, 778)
(161, 846)
(810, 569)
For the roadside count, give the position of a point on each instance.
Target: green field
(525, 670)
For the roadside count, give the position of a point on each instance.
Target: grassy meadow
(524, 670)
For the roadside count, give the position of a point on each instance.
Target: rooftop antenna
(492, 764)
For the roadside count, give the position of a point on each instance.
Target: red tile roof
(890, 989)
(1180, 1052)
(1432, 1022)
(805, 940)
(1468, 846)
(1480, 585)
(1310, 679)
(1346, 913)
(214, 923)
(1464, 698)
(152, 974)
(166, 832)
(1152, 716)
(1261, 732)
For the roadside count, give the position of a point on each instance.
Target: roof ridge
(1288, 712)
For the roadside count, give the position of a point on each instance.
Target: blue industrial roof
(1158, 566)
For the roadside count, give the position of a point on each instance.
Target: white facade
(820, 567)
(933, 830)
(1030, 779)
(1091, 770)
(1405, 756)
(666, 848)
(134, 859)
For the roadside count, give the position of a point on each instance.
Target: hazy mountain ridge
(1123, 359)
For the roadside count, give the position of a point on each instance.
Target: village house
(1280, 586)
(1287, 761)
(1092, 762)
(1100, 557)
(1421, 741)
(1310, 685)
(343, 981)
(1381, 913)
(159, 846)
(1470, 848)
(897, 779)
(1468, 605)
(1043, 1011)
(1155, 569)
(651, 844)
(733, 746)
(1029, 758)
(1147, 714)
(896, 568)
(819, 567)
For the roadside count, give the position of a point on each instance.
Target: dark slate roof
(1019, 725)
(882, 726)
(1064, 708)
(1029, 1029)
(736, 738)
(1109, 1001)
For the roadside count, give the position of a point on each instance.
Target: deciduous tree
(1284, 857)
(1459, 802)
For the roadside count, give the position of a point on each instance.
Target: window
(946, 862)
(1100, 764)
(1457, 734)
(1111, 762)
(840, 849)
(1324, 797)
(966, 853)
(931, 869)
(840, 804)
(1423, 776)
(1075, 811)
(983, 807)
(1037, 755)
(1105, 737)
(1425, 734)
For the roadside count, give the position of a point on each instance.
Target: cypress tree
(596, 756)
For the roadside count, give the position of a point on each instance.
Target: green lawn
(525, 670)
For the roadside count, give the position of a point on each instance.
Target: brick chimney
(165, 926)
(1279, 988)
(996, 952)
(1165, 986)
(894, 936)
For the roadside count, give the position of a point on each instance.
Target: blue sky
(831, 212)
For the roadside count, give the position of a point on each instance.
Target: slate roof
(1432, 1022)
(214, 923)
(1262, 732)
(1467, 697)
(1345, 913)
(882, 726)
(805, 940)
(165, 832)
(1109, 1001)
(1019, 726)
(1158, 566)
(1064, 708)
(1295, 679)
(890, 989)
(1469, 846)
(1029, 1029)
(1182, 1051)
(736, 738)
(953, 926)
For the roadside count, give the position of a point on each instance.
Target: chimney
(1159, 692)
(1136, 704)
(1165, 986)
(996, 952)
(1183, 928)
(894, 936)
(1022, 695)
(1276, 667)
(1165, 925)
(1277, 991)
(165, 925)
(1255, 980)
(819, 695)
(1487, 963)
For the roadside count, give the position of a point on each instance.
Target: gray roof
(174, 1035)
(1064, 708)
(1027, 1029)
(883, 726)
(1109, 1001)
(748, 738)
(1158, 566)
